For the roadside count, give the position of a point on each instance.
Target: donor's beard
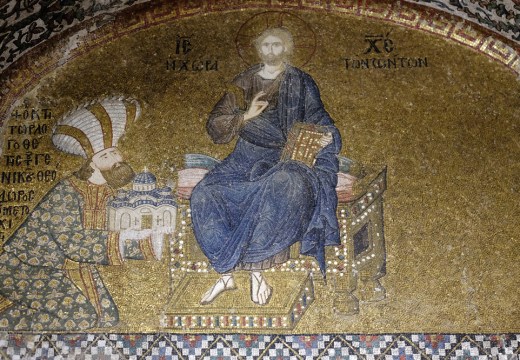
(120, 175)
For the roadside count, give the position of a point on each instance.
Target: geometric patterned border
(501, 17)
(248, 346)
(26, 24)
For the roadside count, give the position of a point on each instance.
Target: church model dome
(144, 181)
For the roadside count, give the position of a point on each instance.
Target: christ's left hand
(326, 139)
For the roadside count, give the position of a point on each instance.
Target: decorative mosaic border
(500, 16)
(27, 23)
(249, 346)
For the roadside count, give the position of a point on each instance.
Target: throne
(353, 268)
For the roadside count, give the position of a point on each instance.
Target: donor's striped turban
(95, 126)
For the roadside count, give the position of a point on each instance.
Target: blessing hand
(256, 107)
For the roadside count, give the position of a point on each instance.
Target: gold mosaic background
(449, 134)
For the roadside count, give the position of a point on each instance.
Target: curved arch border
(76, 41)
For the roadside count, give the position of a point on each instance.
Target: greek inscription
(16, 177)
(14, 210)
(22, 150)
(23, 164)
(33, 129)
(31, 114)
(180, 63)
(191, 65)
(5, 224)
(386, 63)
(26, 144)
(183, 45)
(26, 177)
(376, 42)
(46, 175)
(28, 160)
(8, 196)
(383, 57)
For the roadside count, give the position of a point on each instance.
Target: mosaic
(333, 346)
(206, 180)
(499, 16)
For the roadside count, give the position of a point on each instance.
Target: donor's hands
(132, 243)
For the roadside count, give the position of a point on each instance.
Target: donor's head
(107, 166)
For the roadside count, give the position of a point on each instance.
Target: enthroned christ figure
(253, 206)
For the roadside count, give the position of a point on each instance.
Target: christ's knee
(291, 185)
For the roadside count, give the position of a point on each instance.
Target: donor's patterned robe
(48, 275)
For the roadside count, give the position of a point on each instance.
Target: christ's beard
(120, 175)
(272, 59)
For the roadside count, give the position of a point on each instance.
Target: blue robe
(252, 206)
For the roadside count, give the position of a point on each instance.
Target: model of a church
(145, 206)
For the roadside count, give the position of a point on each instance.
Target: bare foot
(260, 290)
(226, 282)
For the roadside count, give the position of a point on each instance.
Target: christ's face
(272, 50)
